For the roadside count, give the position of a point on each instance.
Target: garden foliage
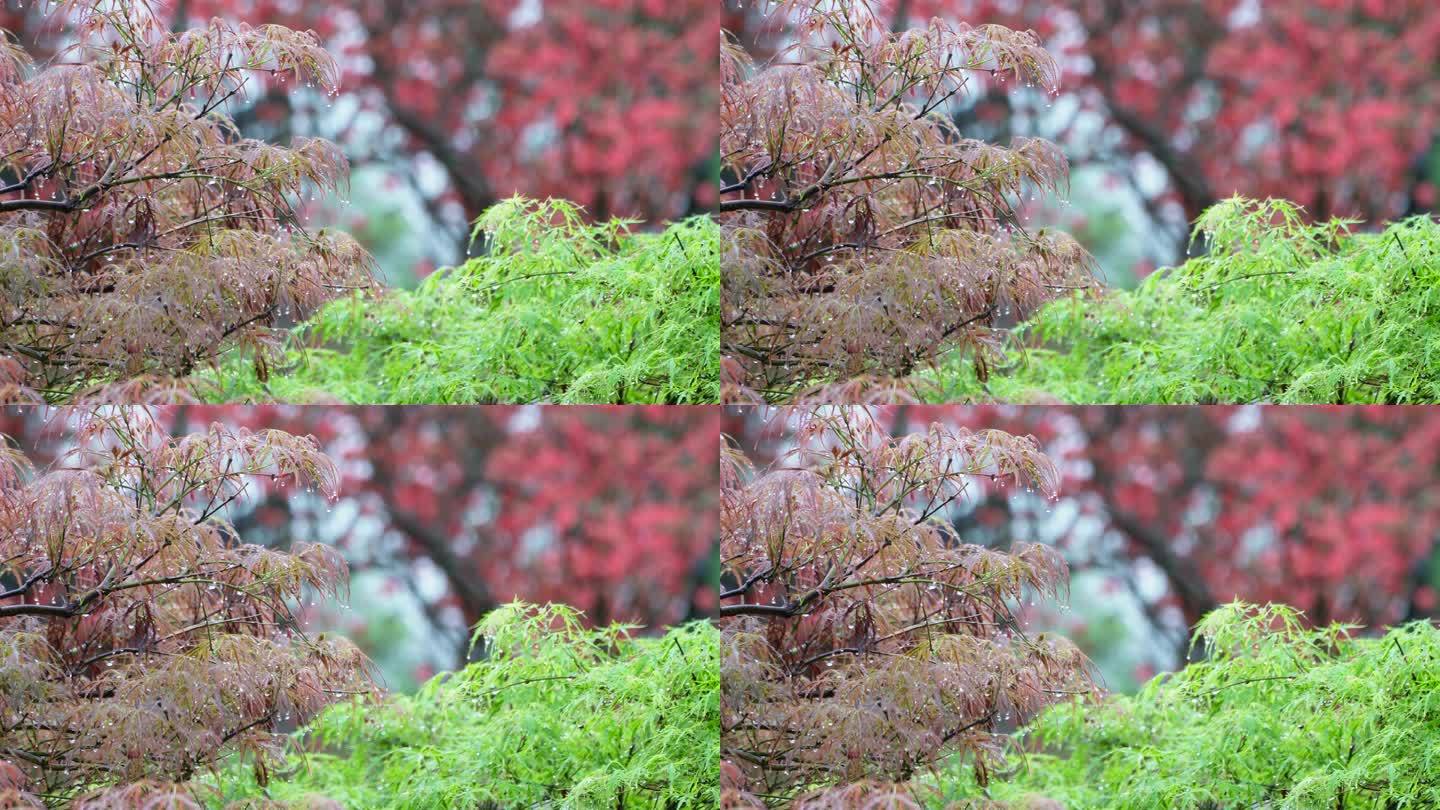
(141, 641)
(140, 235)
(865, 235)
(557, 309)
(1280, 309)
(628, 493)
(556, 715)
(1279, 715)
(864, 641)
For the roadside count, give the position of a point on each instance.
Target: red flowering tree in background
(1330, 104)
(609, 103)
(1333, 510)
(612, 510)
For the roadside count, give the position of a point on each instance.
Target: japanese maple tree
(558, 309)
(863, 639)
(142, 640)
(611, 510)
(139, 234)
(865, 234)
(555, 714)
(1331, 510)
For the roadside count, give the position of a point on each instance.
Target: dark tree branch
(756, 205)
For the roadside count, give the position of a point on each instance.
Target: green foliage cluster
(558, 309)
(556, 715)
(1278, 716)
(1280, 309)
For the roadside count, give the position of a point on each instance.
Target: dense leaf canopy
(139, 234)
(865, 234)
(863, 640)
(1331, 104)
(140, 640)
(1331, 510)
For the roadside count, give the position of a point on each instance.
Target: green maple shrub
(558, 309)
(1279, 310)
(1279, 715)
(556, 715)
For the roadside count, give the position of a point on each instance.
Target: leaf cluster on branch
(864, 234)
(863, 640)
(139, 233)
(141, 640)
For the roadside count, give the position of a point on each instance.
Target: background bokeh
(1167, 106)
(445, 513)
(447, 106)
(1167, 512)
